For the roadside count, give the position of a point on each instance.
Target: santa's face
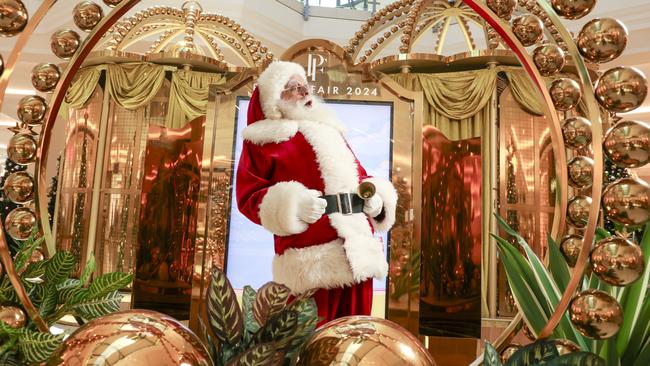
(297, 92)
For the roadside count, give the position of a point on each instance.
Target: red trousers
(339, 302)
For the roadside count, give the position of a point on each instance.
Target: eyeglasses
(302, 89)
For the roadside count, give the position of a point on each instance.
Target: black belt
(345, 203)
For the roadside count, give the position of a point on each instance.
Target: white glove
(311, 207)
(373, 205)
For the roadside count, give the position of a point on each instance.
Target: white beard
(299, 111)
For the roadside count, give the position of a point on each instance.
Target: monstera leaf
(224, 315)
(270, 300)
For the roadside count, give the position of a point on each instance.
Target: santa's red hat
(264, 103)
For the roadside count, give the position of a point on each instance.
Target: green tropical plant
(54, 294)
(542, 352)
(537, 291)
(267, 329)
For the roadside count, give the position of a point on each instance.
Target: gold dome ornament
(596, 314)
(565, 93)
(14, 317)
(22, 149)
(13, 17)
(502, 8)
(602, 40)
(570, 246)
(573, 9)
(20, 223)
(528, 29)
(617, 261)
(31, 110)
(350, 338)
(621, 89)
(86, 15)
(112, 3)
(549, 59)
(627, 202)
(137, 337)
(19, 187)
(64, 43)
(581, 172)
(578, 211)
(576, 132)
(45, 77)
(627, 144)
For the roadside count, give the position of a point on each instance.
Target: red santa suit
(281, 160)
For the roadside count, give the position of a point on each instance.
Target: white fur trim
(279, 209)
(319, 266)
(366, 257)
(388, 194)
(271, 83)
(270, 131)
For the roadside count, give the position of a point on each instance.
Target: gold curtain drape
(188, 98)
(83, 86)
(524, 92)
(133, 85)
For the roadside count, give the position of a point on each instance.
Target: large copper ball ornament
(350, 338)
(112, 3)
(31, 110)
(617, 261)
(570, 246)
(565, 93)
(627, 144)
(549, 59)
(19, 187)
(502, 8)
(135, 337)
(581, 172)
(528, 29)
(22, 149)
(13, 316)
(602, 40)
(627, 202)
(573, 9)
(576, 132)
(510, 350)
(578, 211)
(621, 89)
(64, 43)
(13, 17)
(45, 77)
(86, 15)
(564, 347)
(595, 314)
(20, 223)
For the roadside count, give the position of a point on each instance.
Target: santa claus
(298, 178)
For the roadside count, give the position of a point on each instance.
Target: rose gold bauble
(22, 149)
(565, 93)
(31, 110)
(45, 77)
(576, 132)
(528, 29)
(136, 337)
(564, 347)
(19, 187)
(573, 9)
(112, 3)
(621, 89)
(13, 316)
(617, 261)
(510, 350)
(627, 202)
(350, 338)
(627, 144)
(502, 8)
(86, 15)
(64, 43)
(37, 256)
(578, 211)
(570, 246)
(602, 40)
(20, 222)
(13, 17)
(581, 172)
(549, 59)
(595, 314)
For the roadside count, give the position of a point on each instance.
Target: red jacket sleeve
(253, 180)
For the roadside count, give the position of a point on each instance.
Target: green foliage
(265, 331)
(536, 291)
(542, 352)
(54, 295)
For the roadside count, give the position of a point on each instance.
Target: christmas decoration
(6, 205)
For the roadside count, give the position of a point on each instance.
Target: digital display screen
(250, 247)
